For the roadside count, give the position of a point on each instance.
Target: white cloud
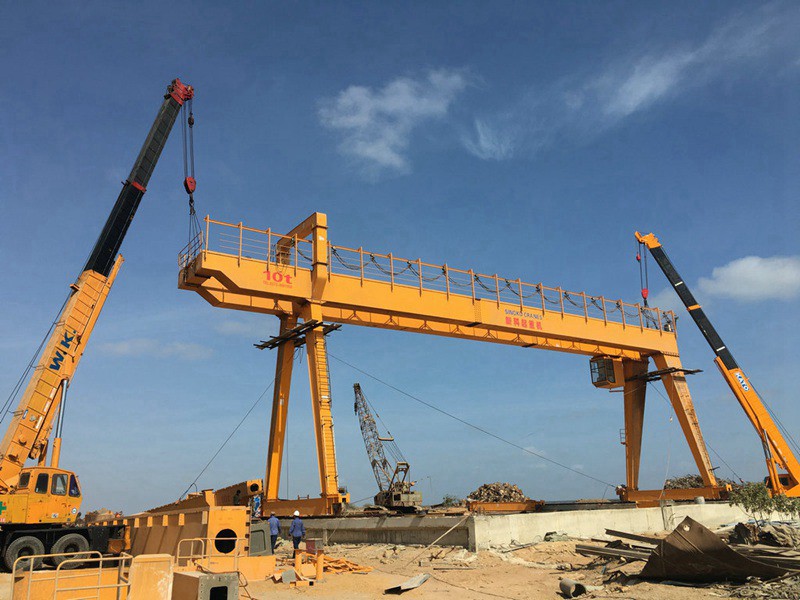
(489, 143)
(376, 125)
(152, 347)
(666, 299)
(753, 278)
(748, 279)
(229, 327)
(580, 107)
(641, 84)
(535, 450)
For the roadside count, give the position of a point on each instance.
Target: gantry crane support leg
(280, 406)
(634, 392)
(321, 405)
(678, 391)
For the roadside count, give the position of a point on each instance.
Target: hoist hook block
(189, 184)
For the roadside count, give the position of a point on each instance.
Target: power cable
(4, 410)
(775, 418)
(228, 439)
(717, 454)
(471, 425)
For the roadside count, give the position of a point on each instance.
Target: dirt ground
(532, 572)
(456, 574)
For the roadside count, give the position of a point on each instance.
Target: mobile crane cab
(42, 495)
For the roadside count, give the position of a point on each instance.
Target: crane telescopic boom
(777, 452)
(41, 402)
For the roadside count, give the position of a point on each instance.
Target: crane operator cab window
(24, 481)
(607, 372)
(59, 485)
(42, 479)
(74, 488)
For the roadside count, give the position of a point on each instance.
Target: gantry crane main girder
(301, 277)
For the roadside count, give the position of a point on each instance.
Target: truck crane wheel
(72, 542)
(24, 546)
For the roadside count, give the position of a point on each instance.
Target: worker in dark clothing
(297, 530)
(274, 530)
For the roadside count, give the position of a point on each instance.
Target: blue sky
(525, 139)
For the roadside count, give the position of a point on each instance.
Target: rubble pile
(783, 589)
(691, 481)
(498, 492)
(777, 534)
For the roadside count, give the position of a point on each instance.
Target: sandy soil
(456, 574)
(532, 572)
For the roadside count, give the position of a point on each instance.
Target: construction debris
(694, 554)
(335, 565)
(570, 588)
(692, 481)
(498, 492)
(783, 589)
(409, 584)
(776, 534)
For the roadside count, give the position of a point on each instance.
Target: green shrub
(755, 500)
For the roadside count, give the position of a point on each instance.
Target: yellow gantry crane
(777, 452)
(309, 283)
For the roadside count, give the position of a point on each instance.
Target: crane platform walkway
(236, 266)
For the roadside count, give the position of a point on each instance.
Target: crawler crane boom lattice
(782, 466)
(39, 504)
(393, 478)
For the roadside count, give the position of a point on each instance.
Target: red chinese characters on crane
(524, 323)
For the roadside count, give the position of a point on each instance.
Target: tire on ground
(24, 546)
(72, 542)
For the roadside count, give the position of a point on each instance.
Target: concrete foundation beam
(479, 532)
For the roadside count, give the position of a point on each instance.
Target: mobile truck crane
(777, 452)
(39, 504)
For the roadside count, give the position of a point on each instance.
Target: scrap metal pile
(498, 492)
(692, 482)
(694, 554)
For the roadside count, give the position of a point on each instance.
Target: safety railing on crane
(248, 243)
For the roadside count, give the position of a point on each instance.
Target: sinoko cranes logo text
(278, 279)
(60, 355)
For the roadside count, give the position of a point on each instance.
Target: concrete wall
(391, 530)
(480, 532)
(525, 528)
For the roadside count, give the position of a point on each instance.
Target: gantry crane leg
(280, 406)
(678, 392)
(634, 392)
(321, 404)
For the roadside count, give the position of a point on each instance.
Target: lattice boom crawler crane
(39, 504)
(393, 479)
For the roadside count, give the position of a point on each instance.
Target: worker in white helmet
(297, 530)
